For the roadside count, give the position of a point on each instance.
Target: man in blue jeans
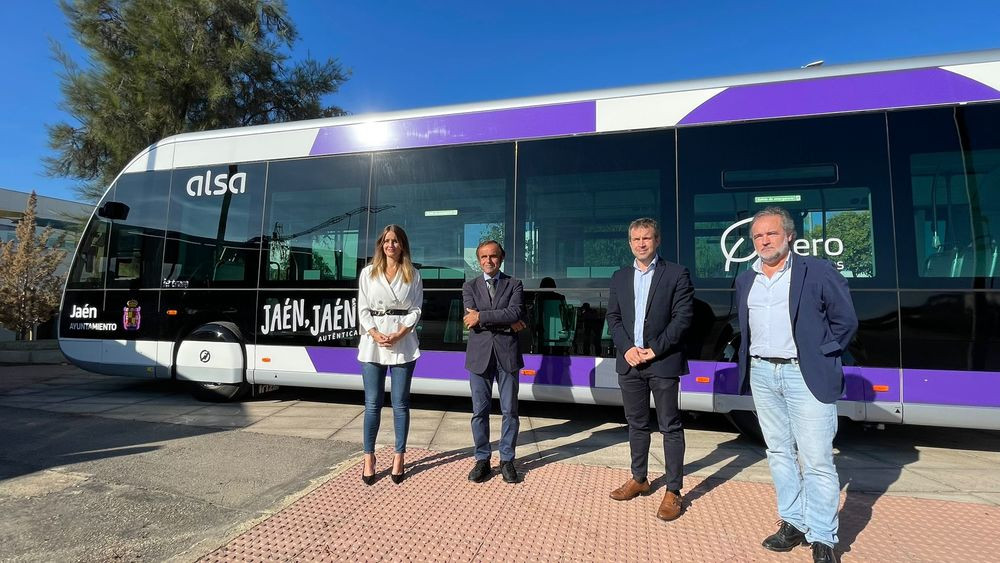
(797, 318)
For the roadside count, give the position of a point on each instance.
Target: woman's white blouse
(379, 294)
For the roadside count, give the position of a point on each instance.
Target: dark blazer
(493, 334)
(823, 323)
(669, 309)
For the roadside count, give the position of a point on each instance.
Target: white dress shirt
(770, 319)
(641, 280)
(379, 294)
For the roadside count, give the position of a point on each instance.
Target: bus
(230, 258)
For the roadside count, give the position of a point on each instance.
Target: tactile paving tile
(562, 512)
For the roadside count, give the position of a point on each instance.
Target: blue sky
(407, 54)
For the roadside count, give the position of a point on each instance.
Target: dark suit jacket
(493, 335)
(823, 323)
(669, 309)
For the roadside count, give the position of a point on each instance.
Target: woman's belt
(390, 312)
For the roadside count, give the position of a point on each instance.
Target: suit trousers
(636, 386)
(482, 396)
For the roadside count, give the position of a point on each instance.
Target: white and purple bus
(230, 258)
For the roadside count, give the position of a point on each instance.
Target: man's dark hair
(485, 242)
(643, 223)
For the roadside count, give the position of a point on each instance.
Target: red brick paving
(561, 512)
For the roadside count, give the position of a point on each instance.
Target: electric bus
(229, 259)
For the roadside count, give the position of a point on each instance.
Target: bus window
(577, 196)
(213, 227)
(136, 243)
(448, 201)
(313, 217)
(829, 173)
(832, 223)
(91, 259)
(946, 166)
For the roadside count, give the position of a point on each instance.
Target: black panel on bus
(576, 198)
(181, 311)
(118, 315)
(447, 200)
(830, 173)
(314, 221)
(213, 227)
(135, 248)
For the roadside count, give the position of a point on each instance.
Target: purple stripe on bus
(871, 384)
(548, 370)
(951, 387)
(565, 371)
(441, 365)
(334, 360)
(903, 88)
(494, 125)
(559, 370)
(714, 372)
(866, 384)
(859, 385)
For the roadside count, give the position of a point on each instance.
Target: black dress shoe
(481, 471)
(397, 478)
(787, 538)
(823, 553)
(508, 471)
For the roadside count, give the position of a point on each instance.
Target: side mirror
(114, 210)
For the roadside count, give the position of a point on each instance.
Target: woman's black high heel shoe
(367, 479)
(397, 478)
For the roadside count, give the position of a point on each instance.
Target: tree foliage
(156, 68)
(854, 229)
(29, 285)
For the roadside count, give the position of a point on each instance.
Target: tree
(29, 285)
(854, 229)
(161, 67)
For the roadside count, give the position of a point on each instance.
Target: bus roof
(913, 82)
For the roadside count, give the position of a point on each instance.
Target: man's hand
(647, 354)
(633, 356)
(518, 326)
(471, 318)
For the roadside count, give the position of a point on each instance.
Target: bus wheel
(747, 424)
(218, 392)
(212, 361)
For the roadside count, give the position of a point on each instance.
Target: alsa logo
(85, 312)
(203, 185)
(830, 246)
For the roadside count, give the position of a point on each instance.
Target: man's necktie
(491, 285)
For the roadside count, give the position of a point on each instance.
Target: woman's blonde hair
(379, 261)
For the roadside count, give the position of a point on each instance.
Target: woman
(390, 293)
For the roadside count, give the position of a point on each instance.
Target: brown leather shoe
(631, 489)
(670, 507)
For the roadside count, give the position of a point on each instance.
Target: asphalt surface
(83, 488)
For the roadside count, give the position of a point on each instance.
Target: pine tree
(156, 68)
(29, 285)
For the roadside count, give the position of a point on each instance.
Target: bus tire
(747, 424)
(220, 331)
(218, 392)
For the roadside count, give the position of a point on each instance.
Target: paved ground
(73, 467)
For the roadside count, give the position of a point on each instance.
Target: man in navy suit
(649, 310)
(494, 306)
(796, 318)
